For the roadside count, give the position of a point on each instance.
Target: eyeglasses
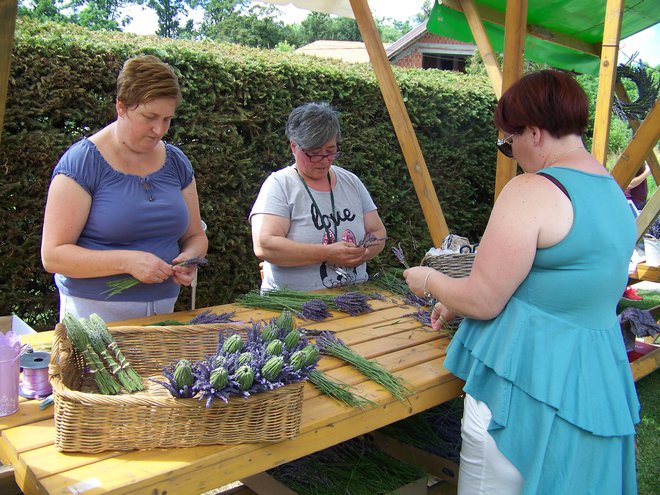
(504, 145)
(320, 158)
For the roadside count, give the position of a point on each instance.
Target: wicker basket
(456, 265)
(87, 421)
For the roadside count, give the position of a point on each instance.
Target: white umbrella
(336, 7)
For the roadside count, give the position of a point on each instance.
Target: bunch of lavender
(332, 346)
(119, 285)
(392, 281)
(315, 310)
(208, 317)
(254, 354)
(185, 392)
(310, 306)
(422, 316)
(353, 303)
(371, 240)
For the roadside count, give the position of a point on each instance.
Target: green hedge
(230, 125)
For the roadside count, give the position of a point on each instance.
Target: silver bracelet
(427, 294)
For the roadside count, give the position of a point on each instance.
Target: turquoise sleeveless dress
(552, 366)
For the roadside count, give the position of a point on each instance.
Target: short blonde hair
(146, 78)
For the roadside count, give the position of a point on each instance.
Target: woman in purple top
(124, 203)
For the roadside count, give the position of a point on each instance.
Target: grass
(648, 435)
(648, 430)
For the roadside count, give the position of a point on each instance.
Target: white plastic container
(652, 251)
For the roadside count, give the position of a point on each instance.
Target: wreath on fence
(647, 92)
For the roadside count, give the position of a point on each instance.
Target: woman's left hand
(183, 275)
(441, 316)
(415, 278)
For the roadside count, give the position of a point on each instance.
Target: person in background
(550, 404)
(638, 189)
(124, 203)
(310, 218)
(636, 194)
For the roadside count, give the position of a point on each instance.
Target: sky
(647, 42)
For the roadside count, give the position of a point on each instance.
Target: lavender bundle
(119, 285)
(332, 346)
(271, 355)
(341, 391)
(208, 317)
(313, 306)
(392, 281)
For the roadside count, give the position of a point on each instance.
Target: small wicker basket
(87, 421)
(456, 265)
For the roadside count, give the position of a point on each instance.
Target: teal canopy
(582, 20)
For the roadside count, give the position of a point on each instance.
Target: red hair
(548, 99)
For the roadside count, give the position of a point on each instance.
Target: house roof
(406, 40)
(348, 51)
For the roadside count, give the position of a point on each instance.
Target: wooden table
(398, 342)
(646, 272)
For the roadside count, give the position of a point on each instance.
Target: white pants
(483, 470)
(80, 307)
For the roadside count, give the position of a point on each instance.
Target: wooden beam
(642, 144)
(8, 10)
(494, 16)
(412, 153)
(488, 55)
(514, 57)
(607, 78)
(634, 124)
(648, 214)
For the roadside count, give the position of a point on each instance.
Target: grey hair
(312, 125)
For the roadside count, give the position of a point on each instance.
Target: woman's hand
(183, 275)
(149, 268)
(416, 278)
(440, 316)
(345, 254)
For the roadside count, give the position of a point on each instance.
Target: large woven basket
(87, 421)
(456, 265)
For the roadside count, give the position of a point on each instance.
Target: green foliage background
(230, 124)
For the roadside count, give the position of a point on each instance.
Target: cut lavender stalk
(371, 240)
(398, 253)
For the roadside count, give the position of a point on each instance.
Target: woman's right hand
(345, 254)
(149, 268)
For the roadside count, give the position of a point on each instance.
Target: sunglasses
(504, 145)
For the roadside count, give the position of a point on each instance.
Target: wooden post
(645, 138)
(8, 10)
(651, 159)
(606, 78)
(515, 32)
(412, 153)
(483, 44)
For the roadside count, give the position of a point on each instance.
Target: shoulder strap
(556, 182)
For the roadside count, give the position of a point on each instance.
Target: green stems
(340, 391)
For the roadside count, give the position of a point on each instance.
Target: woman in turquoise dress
(550, 404)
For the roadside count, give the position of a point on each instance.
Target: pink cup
(10, 351)
(9, 373)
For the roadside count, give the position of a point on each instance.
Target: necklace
(560, 155)
(316, 206)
